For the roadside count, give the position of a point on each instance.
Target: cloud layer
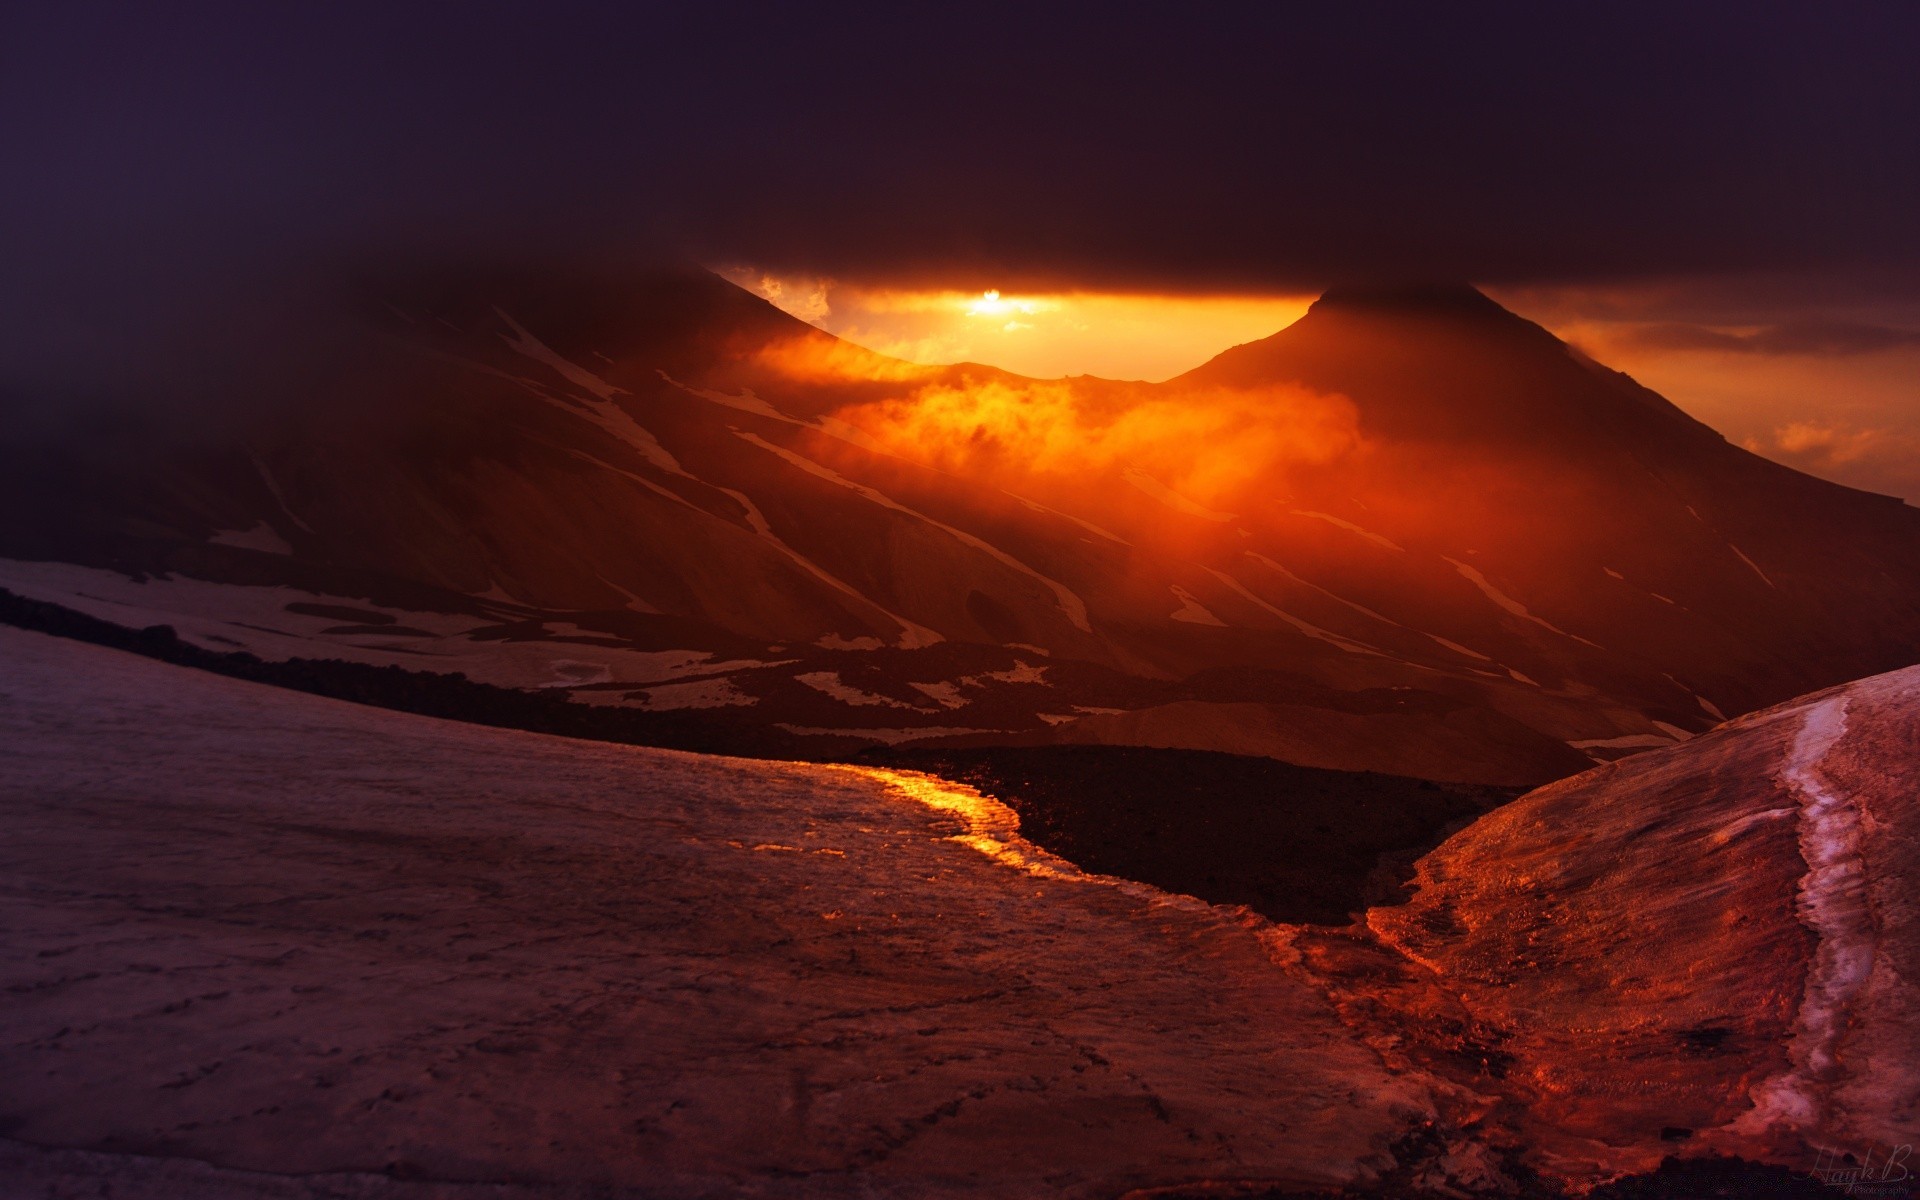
(166, 170)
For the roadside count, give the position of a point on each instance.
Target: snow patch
(569, 673)
(258, 619)
(262, 537)
(1350, 527)
(1290, 577)
(533, 348)
(744, 400)
(1706, 706)
(1509, 604)
(620, 423)
(1751, 821)
(1457, 648)
(1832, 903)
(1074, 608)
(836, 427)
(912, 635)
(1754, 566)
(1632, 741)
(279, 497)
(1191, 610)
(1019, 672)
(830, 683)
(946, 695)
(1089, 526)
(1308, 628)
(1172, 499)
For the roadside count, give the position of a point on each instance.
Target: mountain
(1411, 533)
(1561, 473)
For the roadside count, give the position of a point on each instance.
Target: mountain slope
(1411, 533)
(1613, 513)
(1713, 948)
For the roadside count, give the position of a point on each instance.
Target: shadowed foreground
(253, 935)
(259, 943)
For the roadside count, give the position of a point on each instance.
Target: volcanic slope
(1412, 533)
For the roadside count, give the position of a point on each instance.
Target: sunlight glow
(1046, 336)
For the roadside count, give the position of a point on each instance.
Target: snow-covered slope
(1710, 948)
(258, 943)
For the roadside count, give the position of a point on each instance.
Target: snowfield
(260, 942)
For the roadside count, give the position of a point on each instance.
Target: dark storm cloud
(161, 158)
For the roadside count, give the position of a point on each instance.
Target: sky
(1720, 193)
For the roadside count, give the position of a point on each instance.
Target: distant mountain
(1411, 533)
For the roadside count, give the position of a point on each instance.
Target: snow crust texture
(259, 943)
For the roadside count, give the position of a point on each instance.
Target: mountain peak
(1452, 299)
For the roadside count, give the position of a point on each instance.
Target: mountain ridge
(541, 481)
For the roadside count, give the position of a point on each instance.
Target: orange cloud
(1208, 445)
(1821, 441)
(818, 359)
(1881, 460)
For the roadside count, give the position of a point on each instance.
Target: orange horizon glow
(1195, 448)
(1111, 335)
(1851, 418)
